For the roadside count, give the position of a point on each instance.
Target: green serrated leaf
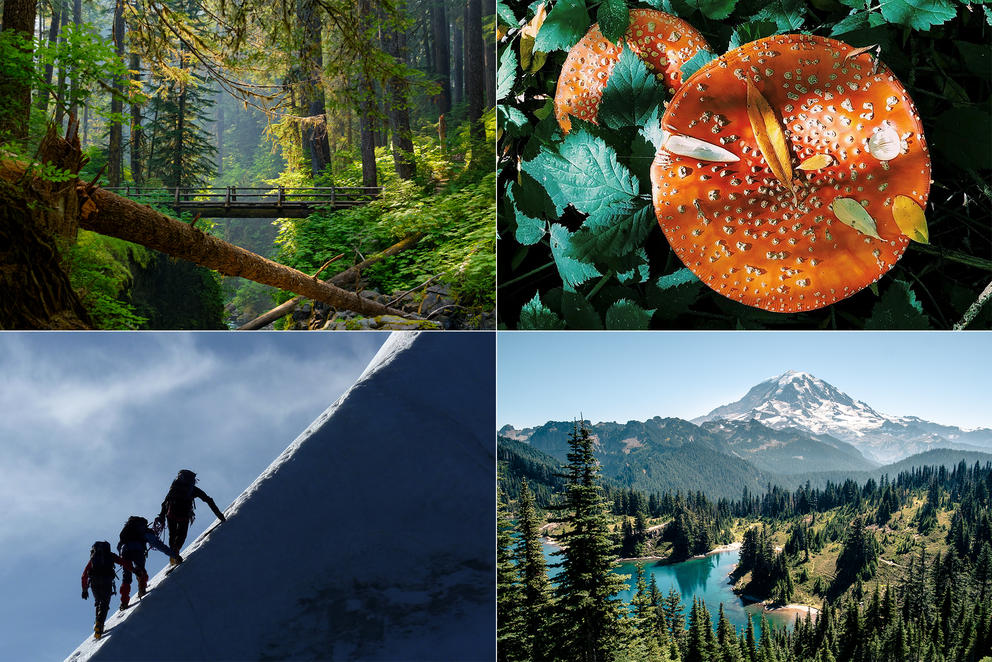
(579, 313)
(788, 15)
(696, 62)
(529, 230)
(506, 74)
(988, 14)
(505, 14)
(616, 231)
(639, 273)
(625, 315)
(651, 130)
(714, 9)
(918, 14)
(511, 116)
(565, 25)
(613, 18)
(681, 277)
(858, 20)
(631, 95)
(531, 198)
(535, 315)
(584, 173)
(898, 308)
(748, 32)
(573, 272)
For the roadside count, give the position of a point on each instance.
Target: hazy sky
(94, 426)
(942, 377)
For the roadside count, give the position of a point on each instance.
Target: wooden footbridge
(252, 202)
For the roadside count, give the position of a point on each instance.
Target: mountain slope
(655, 455)
(361, 541)
(800, 400)
(786, 451)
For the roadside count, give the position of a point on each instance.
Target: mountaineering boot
(141, 592)
(124, 604)
(173, 561)
(97, 630)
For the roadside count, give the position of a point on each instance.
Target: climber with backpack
(178, 508)
(133, 547)
(99, 574)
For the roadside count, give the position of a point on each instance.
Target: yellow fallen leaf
(911, 219)
(769, 135)
(850, 212)
(817, 162)
(531, 60)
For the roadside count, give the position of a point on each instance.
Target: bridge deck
(252, 202)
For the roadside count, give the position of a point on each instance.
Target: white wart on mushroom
(744, 232)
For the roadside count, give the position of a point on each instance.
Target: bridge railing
(248, 195)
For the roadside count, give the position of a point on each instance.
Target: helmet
(186, 476)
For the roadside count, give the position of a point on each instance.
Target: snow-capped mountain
(368, 538)
(800, 400)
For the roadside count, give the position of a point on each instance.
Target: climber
(99, 574)
(178, 508)
(133, 546)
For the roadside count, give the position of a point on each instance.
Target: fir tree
(536, 599)
(588, 613)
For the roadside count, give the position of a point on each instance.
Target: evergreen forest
(206, 164)
(897, 569)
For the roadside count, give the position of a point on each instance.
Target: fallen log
(59, 209)
(342, 278)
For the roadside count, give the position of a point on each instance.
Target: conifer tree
(509, 595)
(536, 599)
(588, 618)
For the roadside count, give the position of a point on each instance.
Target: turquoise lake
(707, 578)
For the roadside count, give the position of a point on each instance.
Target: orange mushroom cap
(780, 245)
(664, 42)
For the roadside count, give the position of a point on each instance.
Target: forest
(198, 164)
(900, 569)
(703, 164)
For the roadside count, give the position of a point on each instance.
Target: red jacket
(118, 560)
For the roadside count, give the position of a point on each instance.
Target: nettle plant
(647, 182)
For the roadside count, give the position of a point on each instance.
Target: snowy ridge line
(308, 564)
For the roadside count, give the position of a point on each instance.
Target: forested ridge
(151, 95)
(900, 568)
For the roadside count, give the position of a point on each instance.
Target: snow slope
(800, 400)
(371, 537)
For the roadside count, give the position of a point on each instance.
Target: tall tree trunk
(314, 130)
(489, 53)
(58, 9)
(137, 132)
(474, 68)
(77, 20)
(220, 138)
(366, 106)
(115, 152)
(398, 94)
(442, 55)
(15, 91)
(458, 78)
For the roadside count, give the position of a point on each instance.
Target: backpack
(102, 560)
(179, 500)
(134, 531)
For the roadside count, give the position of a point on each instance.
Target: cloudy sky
(942, 377)
(94, 426)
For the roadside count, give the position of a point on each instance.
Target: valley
(880, 526)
